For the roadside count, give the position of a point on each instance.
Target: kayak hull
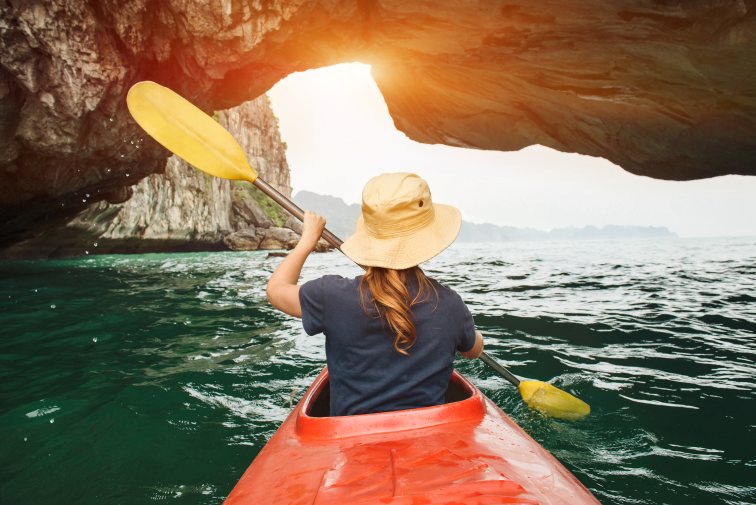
(463, 452)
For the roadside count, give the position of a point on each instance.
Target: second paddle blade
(552, 401)
(187, 131)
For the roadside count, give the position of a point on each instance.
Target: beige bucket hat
(400, 226)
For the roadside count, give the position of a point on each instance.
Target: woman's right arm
(283, 285)
(477, 348)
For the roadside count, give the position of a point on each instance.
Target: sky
(339, 134)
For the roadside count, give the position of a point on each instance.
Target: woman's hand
(312, 227)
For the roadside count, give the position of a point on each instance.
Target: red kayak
(465, 452)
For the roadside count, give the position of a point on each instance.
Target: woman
(392, 333)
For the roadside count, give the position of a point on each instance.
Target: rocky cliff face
(662, 88)
(255, 126)
(183, 208)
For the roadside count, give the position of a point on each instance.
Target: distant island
(342, 217)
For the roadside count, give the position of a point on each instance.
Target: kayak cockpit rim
(313, 427)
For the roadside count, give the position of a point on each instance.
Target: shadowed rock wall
(182, 208)
(662, 88)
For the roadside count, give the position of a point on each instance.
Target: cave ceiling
(665, 89)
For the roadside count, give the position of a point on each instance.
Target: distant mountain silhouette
(341, 219)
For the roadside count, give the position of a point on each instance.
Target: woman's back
(391, 335)
(367, 372)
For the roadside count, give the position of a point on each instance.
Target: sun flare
(340, 133)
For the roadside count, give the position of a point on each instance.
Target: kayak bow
(467, 451)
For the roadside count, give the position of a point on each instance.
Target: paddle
(188, 132)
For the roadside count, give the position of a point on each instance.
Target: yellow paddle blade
(186, 131)
(552, 401)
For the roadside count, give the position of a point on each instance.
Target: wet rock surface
(279, 238)
(664, 89)
(243, 240)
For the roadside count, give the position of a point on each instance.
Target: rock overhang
(662, 89)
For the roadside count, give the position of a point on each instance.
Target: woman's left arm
(283, 290)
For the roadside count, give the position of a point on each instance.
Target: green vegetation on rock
(243, 190)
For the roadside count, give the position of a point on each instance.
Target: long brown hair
(391, 300)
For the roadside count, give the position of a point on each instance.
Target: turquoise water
(133, 379)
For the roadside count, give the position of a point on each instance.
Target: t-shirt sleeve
(467, 330)
(312, 300)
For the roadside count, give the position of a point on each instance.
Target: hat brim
(407, 251)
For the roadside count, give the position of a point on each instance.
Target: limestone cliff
(182, 209)
(662, 88)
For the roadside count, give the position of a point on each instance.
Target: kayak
(465, 452)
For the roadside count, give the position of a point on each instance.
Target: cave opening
(339, 133)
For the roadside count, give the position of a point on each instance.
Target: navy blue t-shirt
(366, 373)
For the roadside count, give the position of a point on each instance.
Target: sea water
(133, 379)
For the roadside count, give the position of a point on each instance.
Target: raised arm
(283, 287)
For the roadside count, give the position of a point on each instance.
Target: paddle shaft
(336, 242)
(293, 209)
(488, 360)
